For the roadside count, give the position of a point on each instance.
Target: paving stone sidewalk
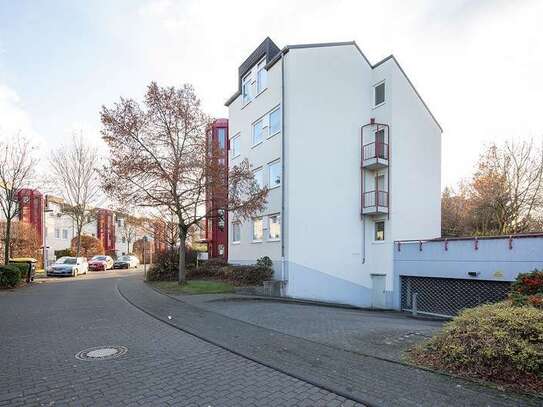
(365, 379)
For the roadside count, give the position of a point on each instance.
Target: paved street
(206, 353)
(44, 326)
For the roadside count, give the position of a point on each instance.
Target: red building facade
(105, 229)
(31, 207)
(217, 220)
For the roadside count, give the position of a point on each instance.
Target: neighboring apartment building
(45, 214)
(352, 159)
(216, 224)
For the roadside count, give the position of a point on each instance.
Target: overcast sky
(477, 64)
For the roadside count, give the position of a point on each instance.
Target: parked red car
(100, 263)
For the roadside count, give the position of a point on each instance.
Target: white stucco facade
(327, 250)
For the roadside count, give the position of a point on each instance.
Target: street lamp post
(44, 235)
(144, 263)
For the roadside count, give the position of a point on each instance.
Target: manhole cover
(101, 353)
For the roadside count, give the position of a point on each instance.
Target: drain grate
(101, 353)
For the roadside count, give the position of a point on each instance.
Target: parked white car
(126, 262)
(69, 266)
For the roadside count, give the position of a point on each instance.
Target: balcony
(375, 155)
(375, 203)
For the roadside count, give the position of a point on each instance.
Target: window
(57, 233)
(221, 137)
(220, 217)
(246, 88)
(258, 230)
(380, 230)
(65, 234)
(379, 94)
(275, 121)
(275, 227)
(236, 232)
(235, 146)
(259, 177)
(258, 132)
(261, 76)
(274, 172)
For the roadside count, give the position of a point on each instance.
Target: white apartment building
(352, 157)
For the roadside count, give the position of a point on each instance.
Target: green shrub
(264, 262)
(528, 289)
(23, 269)
(10, 276)
(246, 275)
(499, 342)
(64, 253)
(166, 265)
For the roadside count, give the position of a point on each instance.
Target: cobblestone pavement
(365, 379)
(42, 327)
(382, 334)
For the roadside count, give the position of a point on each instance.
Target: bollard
(414, 304)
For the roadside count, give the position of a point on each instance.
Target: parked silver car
(69, 266)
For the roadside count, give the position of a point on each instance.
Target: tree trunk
(182, 272)
(7, 241)
(78, 246)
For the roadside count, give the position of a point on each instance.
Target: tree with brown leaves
(89, 246)
(159, 158)
(17, 164)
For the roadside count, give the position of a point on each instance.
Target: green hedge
(498, 342)
(10, 276)
(216, 269)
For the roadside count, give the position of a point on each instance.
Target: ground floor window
(258, 230)
(275, 227)
(236, 232)
(380, 230)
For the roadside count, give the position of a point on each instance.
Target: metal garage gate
(448, 296)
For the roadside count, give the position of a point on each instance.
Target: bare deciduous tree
(17, 163)
(160, 156)
(77, 181)
(504, 196)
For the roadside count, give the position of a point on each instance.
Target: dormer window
(261, 76)
(246, 88)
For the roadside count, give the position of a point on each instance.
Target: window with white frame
(275, 121)
(379, 94)
(261, 76)
(258, 230)
(258, 132)
(274, 174)
(235, 144)
(57, 233)
(221, 137)
(380, 230)
(259, 177)
(65, 234)
(246, 88)
(236, 232)
(274, 232)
